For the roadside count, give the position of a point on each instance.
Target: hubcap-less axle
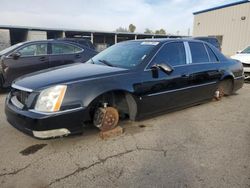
(106, 118)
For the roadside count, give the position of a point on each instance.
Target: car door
(31, 58)
(64, 53)
(159, 91)
(204, 71)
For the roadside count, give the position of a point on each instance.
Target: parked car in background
(133, 79)
(28, 57)
(212, 40)
(80, 41)
(244, 57)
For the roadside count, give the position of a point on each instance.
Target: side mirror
(164, 67)
(238, 52)
(15, 55)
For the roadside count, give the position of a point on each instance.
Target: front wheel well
(123, 101)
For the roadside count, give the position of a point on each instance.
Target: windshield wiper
(106, 62)
(92, 61)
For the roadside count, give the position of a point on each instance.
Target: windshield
(6, 50)
(124, 55)
(246, 51)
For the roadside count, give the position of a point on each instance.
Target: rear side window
(172, 53)
(65, 49)
(212, 56)
(199, 53)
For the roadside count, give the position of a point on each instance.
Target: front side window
(172, 54)
(246, 51)
(7, 50)
(125, 54)
(34, 50)
(65, 49)
(199, 53)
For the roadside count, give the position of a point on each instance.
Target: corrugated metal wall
(226, 22)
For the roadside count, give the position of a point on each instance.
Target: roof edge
(222, 6)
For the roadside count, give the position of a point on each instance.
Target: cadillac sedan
(132, 79)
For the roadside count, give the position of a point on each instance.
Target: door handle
(42, 58)
(185, 75)
(78, 56)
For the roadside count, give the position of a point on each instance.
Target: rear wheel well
(229, 78)
(123, 101)
(229, 88)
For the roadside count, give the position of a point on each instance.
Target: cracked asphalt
(202, 146)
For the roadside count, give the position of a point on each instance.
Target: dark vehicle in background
(28, 57)
(133, 79)
(212, 40)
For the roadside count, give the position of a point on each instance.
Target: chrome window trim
(184, 88)
(148, 69)
(191, 64)
(21, 88)
(188, 52)
(207, 53)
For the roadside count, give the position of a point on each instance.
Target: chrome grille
(21, 96)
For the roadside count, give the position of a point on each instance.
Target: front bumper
(46, 125)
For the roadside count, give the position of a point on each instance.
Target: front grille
(21, 96)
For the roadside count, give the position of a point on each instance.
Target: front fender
(85, 92)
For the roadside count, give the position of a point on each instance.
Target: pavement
(203, 146)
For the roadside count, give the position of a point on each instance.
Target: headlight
(50, 99)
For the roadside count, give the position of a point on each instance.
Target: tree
(122, 29)
(131, 28)
(160, 32)
(148, 31)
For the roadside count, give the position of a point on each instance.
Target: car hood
(65, 74)
(244, 58)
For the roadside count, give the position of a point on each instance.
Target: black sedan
(28, 57)
(132, 79)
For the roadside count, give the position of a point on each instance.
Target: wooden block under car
(111, 133)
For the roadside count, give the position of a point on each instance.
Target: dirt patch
(142, 126)
(32, 149)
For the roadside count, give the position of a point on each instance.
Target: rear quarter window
(62, 48)
(213, 57)
(198, 52)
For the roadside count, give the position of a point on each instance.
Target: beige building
(229, 23)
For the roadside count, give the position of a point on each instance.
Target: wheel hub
(106, 118)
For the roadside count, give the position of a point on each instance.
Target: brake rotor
(106, 118)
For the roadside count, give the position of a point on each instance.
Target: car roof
(160, 40)
(54, 40)
(163, 40)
